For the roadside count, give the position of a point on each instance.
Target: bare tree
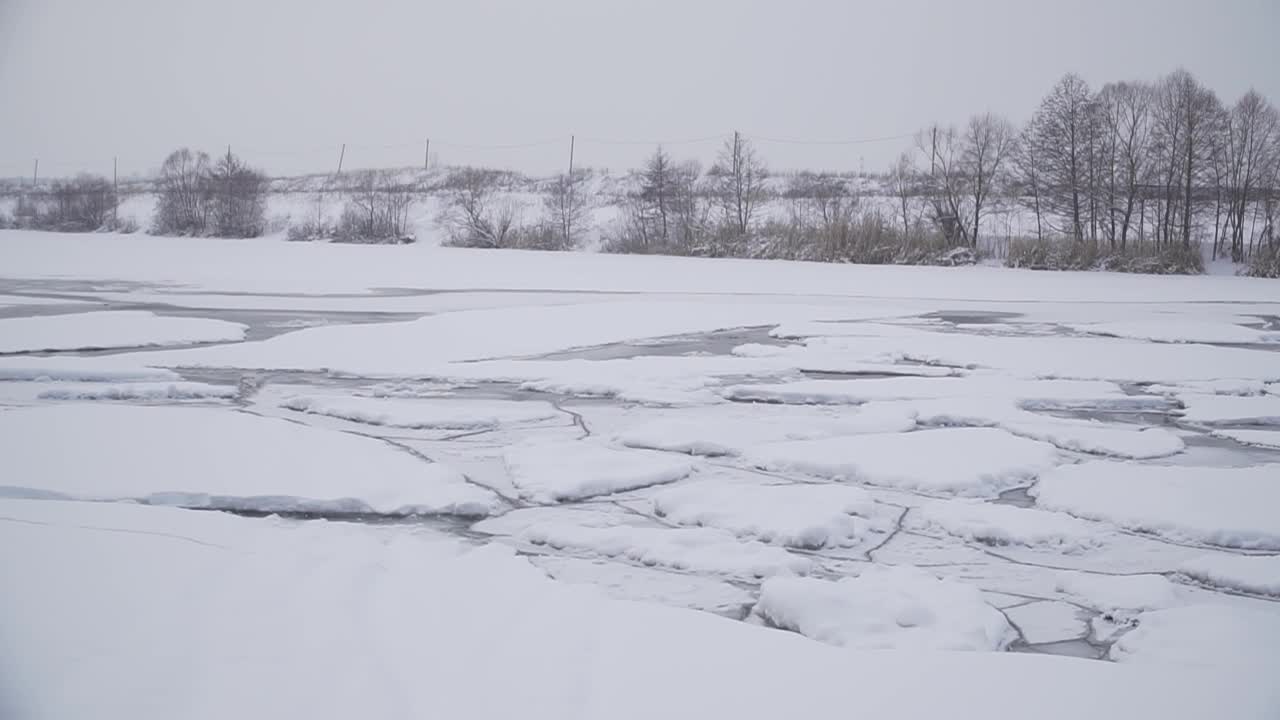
(1187, 116)
(738, 180)
(988, 143)
(238, 195)
(1126, 108)
(946, 186)
(567, 206)
(473, 215)
(1252, 137)
(185, 194)
(902, 183)
(1060, 133)
(1027, 174)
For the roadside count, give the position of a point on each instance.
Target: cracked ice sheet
(1247, 573)
(1048, 621)
(1181, 330)
(218, 458)
(1081, 435)
(109, 368)
(956, 461)
(111, 329)
(1211, 409)
(886, 607)
(629, 582)
(1231, 507)
(798, 515)
(987, 386)
(1000, 525)
(419, 413)
(1066, 357)
(1260, 438)
(410, 349)
(413, 624)
(31, 392)
(734, 428)
(552, 472)
(1209, 634)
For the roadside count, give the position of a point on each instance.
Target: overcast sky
(286, 82)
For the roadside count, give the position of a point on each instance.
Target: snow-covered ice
(886, 607)
(1247, 573)
(1232, 507)
(1117, 593)
(111, 329)
(81, 369)
(1203, 635)
(438, 413)
(1027, 392)
(247, 617)
(1252, 410)
(1261, 438)
(554, 472)
(130, 391)
(1048, 621)
(994, 524)
(1180, 331)
(203, 457)
(959, 461)
(798, 515)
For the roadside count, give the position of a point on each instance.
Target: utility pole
(426, 156)
(568, 209)
(341, 155)
(571, 141)
(35, 174)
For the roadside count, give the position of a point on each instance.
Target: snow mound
(1202, 635)
(1231, 507)
(886, 607)
(137, 391)
(806, 516)
(705, 550)
(214, 458)
(1008, 525)
(1116, 593)
(556, 471)
(732, 429)
(421, 413)
(1080, 435)
(1210, 409)
(1179, 331)
(111, 329)
(1048, 393)
(959, 461)
(1248, 573)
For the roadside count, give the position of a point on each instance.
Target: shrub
(1264, 262)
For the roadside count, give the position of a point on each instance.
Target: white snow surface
(731, 429)
(958, 461)
(1008, 525)
(1261, 438)
(1048, 621)
(1203, 635)
(1247, 573)
(111, 329)
(217, 458)
(81, 369)
(557, 471)
(1031, 392)
(1210, 409)
(689, 549)
(439, 413)
(1180, 331)
(239, 617)
(800, 515)
(886, 607)
(1231, 507)
(1116, 593)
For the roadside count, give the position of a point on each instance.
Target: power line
(859, 141)
(688, 141)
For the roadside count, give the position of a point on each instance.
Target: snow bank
(1116, 593)
(886, 607)
(960, 461)
(839, 392)
(1223, 386)
(111, 329)
(262, 618)
(1210, 409)
(1081, 435)
(1008, 525)
(802, 515)
(705, 550)
(732, 429)
(136, 391)
(1248, 573)
(1202, 635)
(438, 413)
(552, 472)
(214, 458)
(1232, 507)
(1180, 331)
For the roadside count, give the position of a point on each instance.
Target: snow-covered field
(263, 479)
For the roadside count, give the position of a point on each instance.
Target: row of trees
(196, 196)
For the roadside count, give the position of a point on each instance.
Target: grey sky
(285, 82)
